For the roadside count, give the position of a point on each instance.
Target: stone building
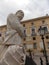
(32, 38)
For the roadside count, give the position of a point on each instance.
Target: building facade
(34, 28)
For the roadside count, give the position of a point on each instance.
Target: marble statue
(10, 52)
(14, 26)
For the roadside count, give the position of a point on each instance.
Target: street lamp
(42, 31)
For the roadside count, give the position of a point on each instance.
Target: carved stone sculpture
(13, 27)
(11, 54)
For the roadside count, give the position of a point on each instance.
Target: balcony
(43, 30)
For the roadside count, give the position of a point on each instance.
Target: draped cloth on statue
(12, 38)
(13, 27)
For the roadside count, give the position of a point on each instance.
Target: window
(48, 45)
(47, 37)
(24, 39)
(35, 45)
(43, 21)
(32, 23)
(34, 38)
(0, 34)
(43, 30)
(25, 33)
(23, 25)
(33, 31)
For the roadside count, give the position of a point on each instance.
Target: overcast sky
(31, 8)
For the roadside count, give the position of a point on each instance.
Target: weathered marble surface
(11, 54)
(13, 27)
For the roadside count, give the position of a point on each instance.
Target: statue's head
(20, 14)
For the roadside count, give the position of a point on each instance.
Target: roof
(34, 19)
(3, 26)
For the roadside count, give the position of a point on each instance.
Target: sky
(32, 8)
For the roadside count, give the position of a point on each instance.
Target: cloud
(31, 8)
